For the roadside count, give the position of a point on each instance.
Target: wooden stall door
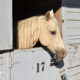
(5, 24)
(33, 64)
(5, 66)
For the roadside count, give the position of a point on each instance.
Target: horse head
(50, 36)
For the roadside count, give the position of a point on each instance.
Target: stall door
(33, 64)
(5, 24)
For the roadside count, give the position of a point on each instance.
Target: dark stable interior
(23, 9)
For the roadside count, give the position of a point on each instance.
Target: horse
(42, 28)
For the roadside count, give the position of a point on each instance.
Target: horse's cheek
(44, 40)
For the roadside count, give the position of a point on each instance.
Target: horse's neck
(28, 32)
(35, 31)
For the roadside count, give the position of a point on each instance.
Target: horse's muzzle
(59, 55)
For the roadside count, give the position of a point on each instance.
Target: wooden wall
(71, 37)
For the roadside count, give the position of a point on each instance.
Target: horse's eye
(53, 32)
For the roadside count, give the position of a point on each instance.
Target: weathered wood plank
(72, 32)
(66, 11)
(72, 59)
(4, 67)
(5, 24)
(74, 73)
(71, 37)
(72, 16)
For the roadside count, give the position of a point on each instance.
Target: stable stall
(38, 63)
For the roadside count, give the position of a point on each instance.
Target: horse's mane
(28, 32)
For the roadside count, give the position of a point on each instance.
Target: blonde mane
(28, 32)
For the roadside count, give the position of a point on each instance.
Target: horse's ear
(49, 15)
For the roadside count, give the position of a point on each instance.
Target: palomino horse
(44, 29)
